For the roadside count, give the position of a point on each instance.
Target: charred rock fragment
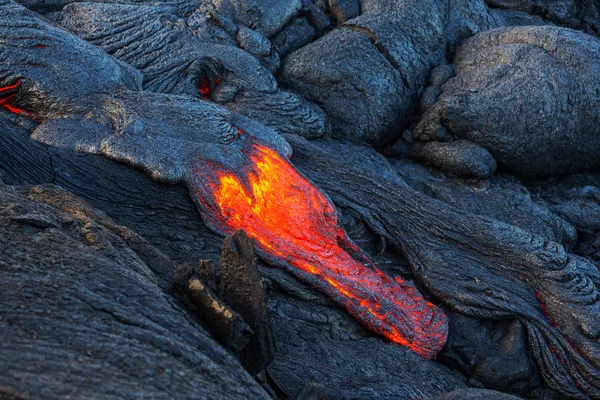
(241, 287)
(229, 327)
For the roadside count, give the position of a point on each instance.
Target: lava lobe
(294, 225)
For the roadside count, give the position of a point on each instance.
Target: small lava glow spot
(7, 96)
(296, 226)
(206, 87)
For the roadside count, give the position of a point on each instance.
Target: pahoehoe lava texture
(194, 94)
(69, 267)
(198, 53)
(479, 266)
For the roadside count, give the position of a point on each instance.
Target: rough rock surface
(169, 220)
(199, 54)
(577, 14)
(502, 197)
(484, 268)
(240, 286)
(475, 394)
(546, 79)
(84, 315)
(368, 74)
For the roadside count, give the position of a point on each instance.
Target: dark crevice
(51, 162)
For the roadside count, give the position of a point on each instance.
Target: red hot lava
(296, 226)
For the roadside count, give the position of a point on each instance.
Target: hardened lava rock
(182, 140)
(477, 265)
(523, 270)
(201, 54)
(84, 314)
(367, 74)
(528, 95)
(577, 14)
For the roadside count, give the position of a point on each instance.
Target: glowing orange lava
(296, 226)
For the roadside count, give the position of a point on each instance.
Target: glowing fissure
(296, 226)
(7, 95)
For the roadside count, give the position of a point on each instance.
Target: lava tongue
(294, 225)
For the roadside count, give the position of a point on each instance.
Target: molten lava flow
(7, 95)
(296, 226)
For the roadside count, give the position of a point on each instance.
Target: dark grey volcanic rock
(292, 37)
(524, 300)
(501, 197)
(368, 74)
(477, 265)
(475, 394)
(83, 315)
(179, 51)
(494, 353)
(576, 198)
(529, 95)
(240, 286)
(316, 343)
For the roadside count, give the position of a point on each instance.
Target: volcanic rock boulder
(528, 95)
(200, 54)
(493, 353)
(367, 75)
(84, 315)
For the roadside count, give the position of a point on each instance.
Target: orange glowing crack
(296, 226)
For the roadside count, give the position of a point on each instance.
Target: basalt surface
(416, 179)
